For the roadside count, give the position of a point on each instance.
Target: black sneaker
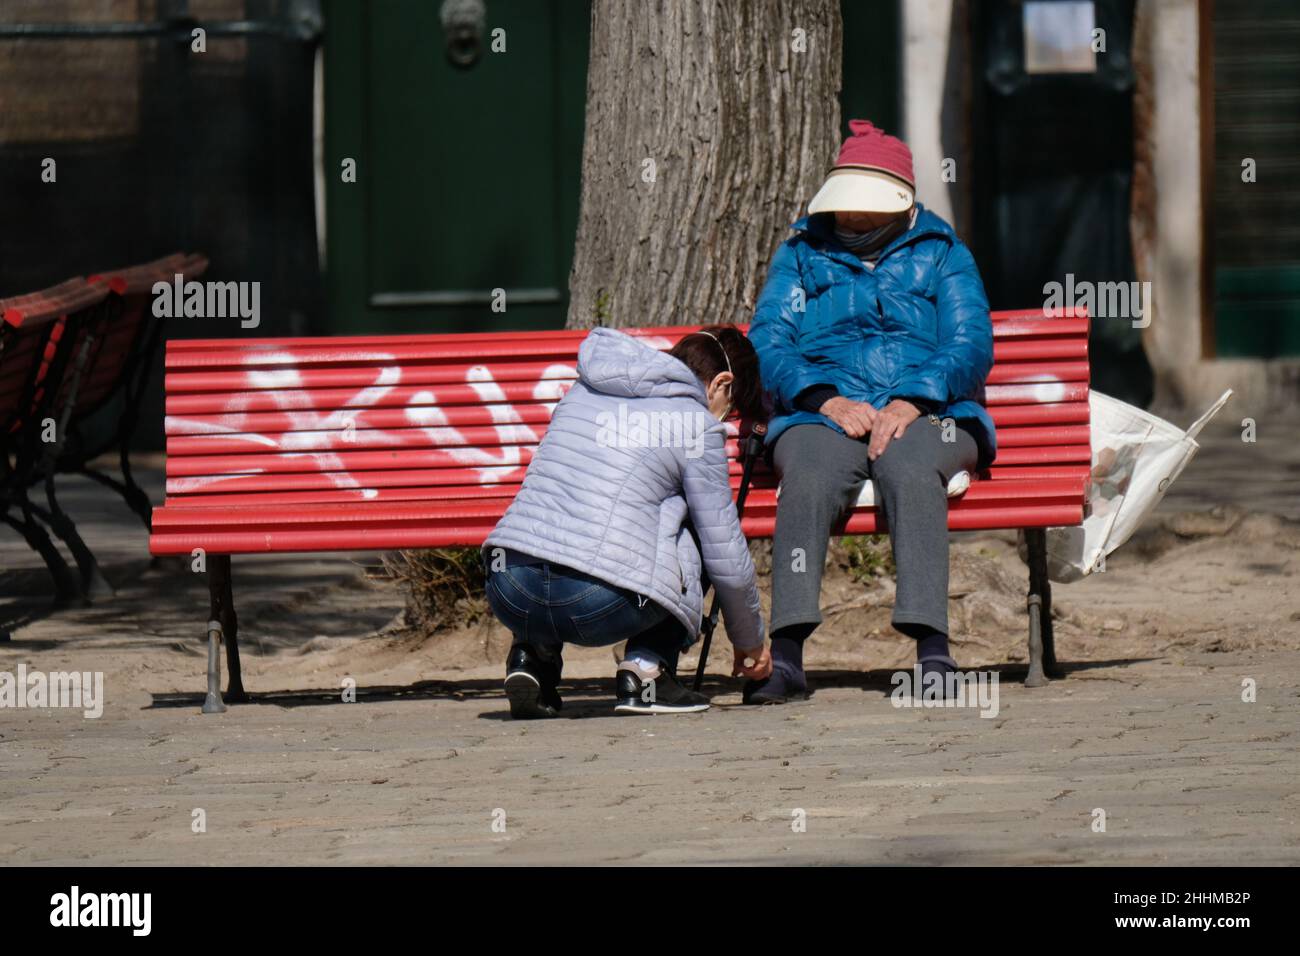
(532, 684)
(638, 693)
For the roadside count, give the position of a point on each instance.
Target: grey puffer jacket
(631, 452)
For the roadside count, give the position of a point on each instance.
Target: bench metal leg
(212, 703)
(92, 582)
(1042, 644)
(130, 492)
(221, 593)
(66, 590)
(134, 495)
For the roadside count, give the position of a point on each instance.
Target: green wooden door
(467, 177)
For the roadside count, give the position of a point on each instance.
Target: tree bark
(708, 130)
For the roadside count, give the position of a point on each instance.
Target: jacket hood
(615, 363)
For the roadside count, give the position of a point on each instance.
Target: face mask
(858, 240)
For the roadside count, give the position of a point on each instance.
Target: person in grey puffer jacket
(625, 504)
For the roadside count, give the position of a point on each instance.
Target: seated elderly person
(874, 341)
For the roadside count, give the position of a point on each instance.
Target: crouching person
(600, 544)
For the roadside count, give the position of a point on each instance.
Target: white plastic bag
(1135, 458)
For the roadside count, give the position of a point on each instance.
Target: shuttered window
(1255, 231)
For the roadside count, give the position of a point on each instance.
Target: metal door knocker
(463, 22)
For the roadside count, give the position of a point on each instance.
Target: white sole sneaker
(524, 691)
(659, 709)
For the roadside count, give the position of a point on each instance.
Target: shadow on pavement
(583, 697)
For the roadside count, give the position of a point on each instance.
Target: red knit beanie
(870, 148)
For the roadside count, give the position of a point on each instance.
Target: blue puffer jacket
(917, 326)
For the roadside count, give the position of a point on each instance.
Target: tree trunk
(710, 124)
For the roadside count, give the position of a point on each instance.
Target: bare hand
(759, 669)
(891, 422)
(856, 418)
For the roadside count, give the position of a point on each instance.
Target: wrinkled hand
(856, 418)
(891, 422)
(759, 669)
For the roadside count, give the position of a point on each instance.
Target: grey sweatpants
(822, 472)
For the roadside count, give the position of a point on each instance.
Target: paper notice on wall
(1059, 37)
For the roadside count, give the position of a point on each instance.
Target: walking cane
(753, 448)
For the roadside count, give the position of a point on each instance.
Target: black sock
(931, 644)
(787, 644)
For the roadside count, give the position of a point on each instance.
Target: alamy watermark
(653, 429)
(1102, 300)
(75, 908)
(208, 300)
(978, 689)
(74, 690)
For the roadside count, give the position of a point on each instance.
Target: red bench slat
(208, 404)
(391, 412)
(1047, 392)
(1014, 373)
(36, 308)
(375, 439)
(461, 532)
(348, 461)
(405, 489)
(1071, 413)
(762, 500)
(386, 524)
(432, 480)
(382, 418)
(528, 434)
(1005, 324)
(236, 383)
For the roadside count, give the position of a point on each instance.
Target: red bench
(39, 334)
(65, 352)
(119, 360)
(416, 441)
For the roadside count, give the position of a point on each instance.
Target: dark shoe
(940, 664)
(640, 694)
(532, 684)
(782, 685)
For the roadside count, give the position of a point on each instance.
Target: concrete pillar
(1173, 339)
(936, 103)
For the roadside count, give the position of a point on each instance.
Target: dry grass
(865, 557)
(444, 586)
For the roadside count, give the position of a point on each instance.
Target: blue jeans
(548, 605)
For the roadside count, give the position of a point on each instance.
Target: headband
(720, 345)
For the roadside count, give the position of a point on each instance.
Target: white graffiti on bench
(324, 432)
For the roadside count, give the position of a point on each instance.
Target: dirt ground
(1149, 731)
